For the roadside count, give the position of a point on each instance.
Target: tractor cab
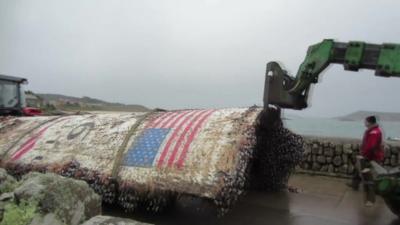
(12, 97)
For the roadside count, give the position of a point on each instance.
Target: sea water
(337, 128)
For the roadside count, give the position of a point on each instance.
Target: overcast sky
(192, 53)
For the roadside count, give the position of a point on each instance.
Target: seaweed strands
(278, 151)
(18, 170)
(131, 198)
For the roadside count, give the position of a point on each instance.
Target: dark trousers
(362, 174)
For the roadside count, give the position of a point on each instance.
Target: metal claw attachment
(277, 86)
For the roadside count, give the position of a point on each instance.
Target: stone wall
(337, 156)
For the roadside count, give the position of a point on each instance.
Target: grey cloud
(190, 54)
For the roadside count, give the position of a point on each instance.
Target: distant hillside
(64, 102)
(360, 115)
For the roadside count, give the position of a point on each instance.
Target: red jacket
(372, 146)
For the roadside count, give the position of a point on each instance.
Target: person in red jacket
(372, 150)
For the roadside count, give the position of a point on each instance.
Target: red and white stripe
(28, 145)
(31, 142)
(185, 126)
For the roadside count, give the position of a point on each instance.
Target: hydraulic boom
(286, 91)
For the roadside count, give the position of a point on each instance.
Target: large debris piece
(147, 159)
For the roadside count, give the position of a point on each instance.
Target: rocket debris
(147, 159)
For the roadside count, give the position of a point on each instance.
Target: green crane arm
(286, 91)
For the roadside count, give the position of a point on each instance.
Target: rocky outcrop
(337, 156)
(7, 182)
(48, 199)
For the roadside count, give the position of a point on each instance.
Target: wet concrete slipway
(320, 201)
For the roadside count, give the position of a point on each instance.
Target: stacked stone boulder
(337, 156)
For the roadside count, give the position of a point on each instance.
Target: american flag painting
(166, 140)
